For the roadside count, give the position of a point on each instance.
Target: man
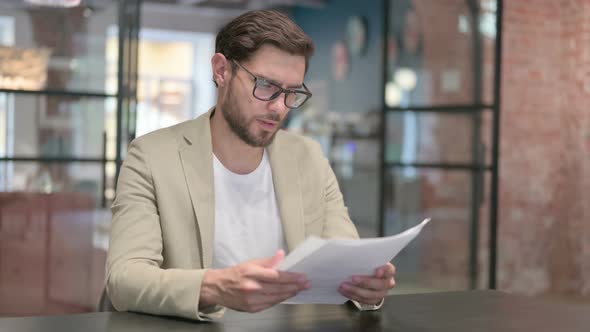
(205, 209)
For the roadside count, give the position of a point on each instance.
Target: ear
(222, 69)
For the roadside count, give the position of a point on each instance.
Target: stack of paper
(328, 263)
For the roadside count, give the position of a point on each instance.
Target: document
(328, 263)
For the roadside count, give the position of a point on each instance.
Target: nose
(277, 105)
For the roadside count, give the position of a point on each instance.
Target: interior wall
(544, 234)
(359, 92)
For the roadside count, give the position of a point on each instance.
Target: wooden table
(479, 311)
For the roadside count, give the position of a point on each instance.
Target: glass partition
(64, 100)
(439, 107)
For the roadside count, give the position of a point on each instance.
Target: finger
(253, 286)
(277, 259)
(291, 277)
(253, 271)
(250, 287)
(271, 262)
(372, 283)
(389, 270)
(362, 295)
(269, 272)
(391, 283)
(379, 272)
(275, 276)
(278, 289)
(385, 271)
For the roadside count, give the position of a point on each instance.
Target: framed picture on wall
(340, 61)
(357, 35)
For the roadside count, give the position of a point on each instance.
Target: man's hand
(251, 286)
(370, 289)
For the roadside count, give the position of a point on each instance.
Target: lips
(267, 124)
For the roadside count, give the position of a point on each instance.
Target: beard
(240, 124)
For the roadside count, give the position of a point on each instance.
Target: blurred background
(471, 112)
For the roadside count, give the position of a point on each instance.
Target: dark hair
(243, 36)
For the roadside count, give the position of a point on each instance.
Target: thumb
(273, 261)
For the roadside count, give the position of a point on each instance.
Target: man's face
(254, 121)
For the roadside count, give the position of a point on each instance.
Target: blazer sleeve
(135, 279)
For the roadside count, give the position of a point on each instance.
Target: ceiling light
(54, 3)
(405, 78)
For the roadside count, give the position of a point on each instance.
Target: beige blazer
(162, 231)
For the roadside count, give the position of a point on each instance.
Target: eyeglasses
(266, 90)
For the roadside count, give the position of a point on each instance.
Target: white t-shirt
(247, 221)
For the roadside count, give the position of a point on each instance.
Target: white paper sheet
(328, 263)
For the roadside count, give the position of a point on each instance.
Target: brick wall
(544, 235)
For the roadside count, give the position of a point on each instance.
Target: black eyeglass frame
(257, 79)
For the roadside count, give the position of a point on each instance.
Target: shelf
(61, 93)
(355, 137)
(56, 159)
(443, 108)
(447, 166)
(356, 166)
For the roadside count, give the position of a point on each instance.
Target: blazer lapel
(196, 154)
(286, 179)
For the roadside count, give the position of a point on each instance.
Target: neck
(232, 152)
